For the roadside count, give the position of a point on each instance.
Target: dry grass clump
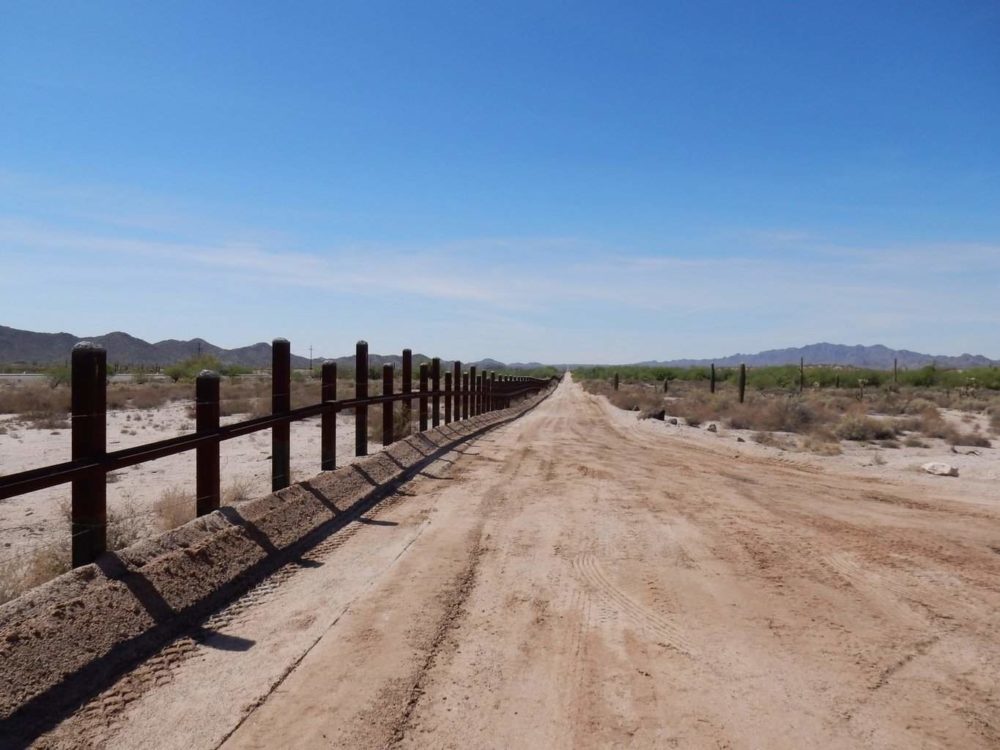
(994, 413)
(175, 507)
(822, 442)
(41, 565)
(44, 563)
(239, 490)
(402, 422)
(861, 427)
(763, 413)
(783, 442)
(34, 400)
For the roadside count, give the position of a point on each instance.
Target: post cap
(87, 346)
(279, 340)
(362, 342)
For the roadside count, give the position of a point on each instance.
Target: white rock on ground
(940, 469)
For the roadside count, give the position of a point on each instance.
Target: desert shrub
(124, 529)
(188, 369)
(823, 442)
(402, 422)
(34, 401)
(862, 427)
(175, 507)
(47, 422)
(913, 441)
(969, 438)
(239, 490)
(33, 569)
(775, 441)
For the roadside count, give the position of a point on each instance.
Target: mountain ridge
(877, 357)
(18, 346)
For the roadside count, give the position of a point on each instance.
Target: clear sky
(555, 181)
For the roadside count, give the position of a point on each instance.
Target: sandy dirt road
(576, 579)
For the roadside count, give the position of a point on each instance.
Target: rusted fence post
(711, 380)
(447, 398)
(328, 425)
(472, 391)
(89, 511)
(206, 415)
(436, 387)
(281, 403)
(493, 391)
(407, 377)
(456, 379)
(465, 395)
(743, 382)
(802, 374)
(388, 375)
(361, 391)
(424, 373)
(616, 381)
(666, 385)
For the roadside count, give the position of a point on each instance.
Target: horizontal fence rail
(466, 394)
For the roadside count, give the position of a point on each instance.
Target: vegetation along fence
(465, 394)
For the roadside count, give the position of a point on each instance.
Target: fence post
(743, 382)
(436, 387)
(206, 414)
(361, 391)
(407, 377)
(895, 370)
(802, 374)
(465, 395)
(447, 398)
(89, 440)
(328, 426)
(281, 403)
(456, 380)
(666, 385)
(472, 391)
(388, 374)
(493, 391)
(424, 372)
(616, 381)
(711, 381)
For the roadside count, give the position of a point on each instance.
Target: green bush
(189, 368)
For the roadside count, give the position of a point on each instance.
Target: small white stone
(940, 469)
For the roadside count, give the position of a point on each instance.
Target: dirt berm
(66, 640)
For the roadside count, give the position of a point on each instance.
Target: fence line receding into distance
(466, 394)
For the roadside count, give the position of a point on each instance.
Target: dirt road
(578, 579)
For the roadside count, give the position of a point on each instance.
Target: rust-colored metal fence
(465, 394)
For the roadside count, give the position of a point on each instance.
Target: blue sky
(531, 181)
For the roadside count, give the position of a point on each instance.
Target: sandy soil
(581, 579)
(38, 519)
(979, 468)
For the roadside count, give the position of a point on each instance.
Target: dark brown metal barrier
(470, 394)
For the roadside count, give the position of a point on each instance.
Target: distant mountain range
(875, 357)
(32, 348)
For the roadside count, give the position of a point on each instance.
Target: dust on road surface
(576, 579)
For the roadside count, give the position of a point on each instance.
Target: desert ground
(581, 578)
